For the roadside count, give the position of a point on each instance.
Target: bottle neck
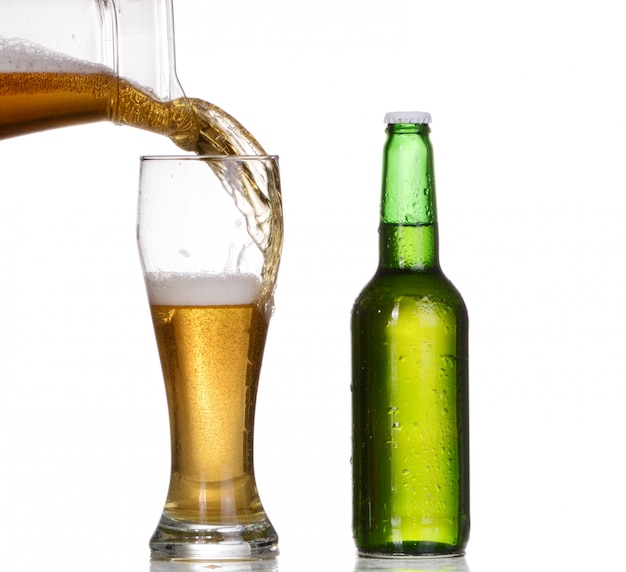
(408, 224)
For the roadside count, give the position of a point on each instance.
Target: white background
(528, 128)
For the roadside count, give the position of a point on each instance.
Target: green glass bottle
(410, 443)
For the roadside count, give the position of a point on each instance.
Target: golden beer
(211, 358)
(35, 101)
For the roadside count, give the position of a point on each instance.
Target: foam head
(176, 289)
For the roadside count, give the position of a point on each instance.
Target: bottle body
(410, 416)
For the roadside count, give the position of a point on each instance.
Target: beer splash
(41, 89)
(205, 129)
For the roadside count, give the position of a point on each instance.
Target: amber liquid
(211, 359)
(34, 101)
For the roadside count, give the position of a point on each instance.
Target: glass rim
(195, 157)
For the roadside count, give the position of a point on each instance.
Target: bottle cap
(412, 117)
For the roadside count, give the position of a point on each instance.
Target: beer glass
(210, 235)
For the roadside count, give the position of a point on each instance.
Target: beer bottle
(409, 371)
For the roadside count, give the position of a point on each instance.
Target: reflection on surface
(215, 566)
(455, 564)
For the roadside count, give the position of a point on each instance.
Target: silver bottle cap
(412, 117)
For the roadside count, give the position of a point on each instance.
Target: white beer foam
(176, 289)
(17, 55)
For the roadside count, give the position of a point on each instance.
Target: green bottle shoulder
(389, 286)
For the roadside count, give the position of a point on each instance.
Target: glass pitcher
(77, 61)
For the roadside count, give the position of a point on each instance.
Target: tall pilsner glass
(210, 236)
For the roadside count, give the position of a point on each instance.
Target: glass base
(177, 540)
(447, 563)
